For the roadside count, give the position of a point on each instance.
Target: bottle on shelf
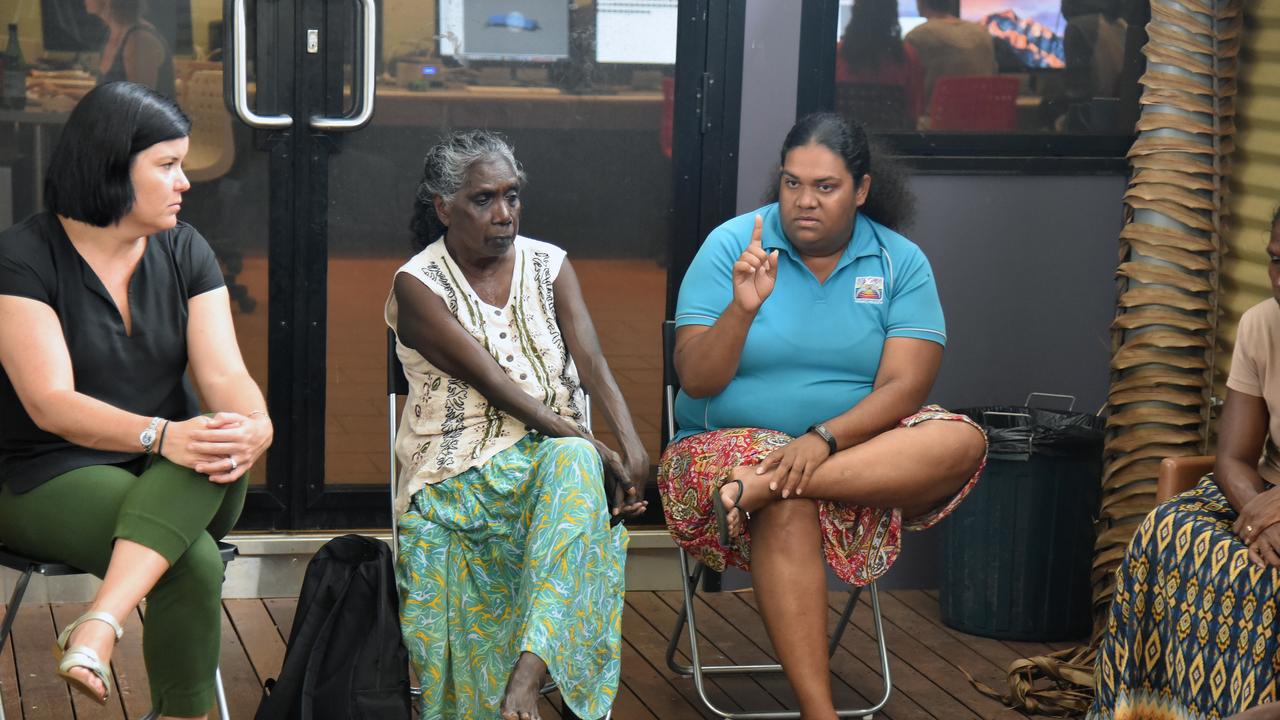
(13, 81)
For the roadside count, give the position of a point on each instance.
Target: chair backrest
(876, 106)
(670, 381)
(212, 150)
(974, 102)
(397, 384)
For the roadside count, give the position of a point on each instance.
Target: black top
(164, 74)
(143, 373)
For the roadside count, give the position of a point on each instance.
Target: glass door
(584, 91)
(310, 119)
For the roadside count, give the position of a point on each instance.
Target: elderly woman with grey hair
(511, 554)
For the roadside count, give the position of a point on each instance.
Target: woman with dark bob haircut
(105, 460)
(808, 335)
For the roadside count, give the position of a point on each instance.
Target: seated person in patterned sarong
(808, 336)
(509, 566)
(1193, 631)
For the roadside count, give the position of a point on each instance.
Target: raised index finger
(757, 232)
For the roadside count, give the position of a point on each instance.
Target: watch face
(147, 437)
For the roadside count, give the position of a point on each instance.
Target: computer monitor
(67, 27)
(504, 30)
(908, 16)
(636, 32)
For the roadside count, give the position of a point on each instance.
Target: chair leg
(698, 671)
(221, 693)
(11, 612)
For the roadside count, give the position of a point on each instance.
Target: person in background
(107, 304)
(872, 53)
(947, 45)
(1192, 631)
(134, 50)
(508, 566)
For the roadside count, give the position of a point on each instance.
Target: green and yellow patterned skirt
(516, 555)
(1193, 629)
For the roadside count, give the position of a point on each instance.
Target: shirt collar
(863, 243)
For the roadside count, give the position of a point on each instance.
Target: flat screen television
(636, 32)
(504, 30)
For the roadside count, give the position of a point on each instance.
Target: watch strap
(821, 431)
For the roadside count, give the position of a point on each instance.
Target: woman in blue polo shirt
(808, 337)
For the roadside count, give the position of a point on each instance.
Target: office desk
(38, 119)
(517, 108)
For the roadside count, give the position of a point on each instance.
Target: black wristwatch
(825, 434)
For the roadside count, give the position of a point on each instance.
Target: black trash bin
(1016, 554)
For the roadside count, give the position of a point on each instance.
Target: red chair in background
(979, 102)
(668, 115)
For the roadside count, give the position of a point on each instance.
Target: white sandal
(83, 656)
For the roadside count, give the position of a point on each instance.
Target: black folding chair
(691, 573)
(30, 566)
(397, 384)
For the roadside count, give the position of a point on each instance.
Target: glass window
(989, 66)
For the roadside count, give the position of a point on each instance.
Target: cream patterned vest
(447, 426)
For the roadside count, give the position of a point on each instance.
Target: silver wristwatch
(148, 437)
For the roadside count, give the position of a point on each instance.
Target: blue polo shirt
(814, 348)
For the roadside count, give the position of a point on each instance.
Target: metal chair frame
(30, 566)
(691, 573)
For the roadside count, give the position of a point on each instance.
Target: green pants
(76, 517)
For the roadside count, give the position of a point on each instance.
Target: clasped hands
(630, 475)
(1259, 527)
(224, 446)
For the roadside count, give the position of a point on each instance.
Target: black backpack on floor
(345, 660)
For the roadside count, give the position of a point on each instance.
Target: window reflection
(1048, 66)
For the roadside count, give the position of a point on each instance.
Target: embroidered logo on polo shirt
(868, 289)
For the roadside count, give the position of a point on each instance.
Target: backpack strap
(318, 651)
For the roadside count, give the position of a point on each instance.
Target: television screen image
(516, 30)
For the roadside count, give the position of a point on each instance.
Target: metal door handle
(240, 77)
(364, 76)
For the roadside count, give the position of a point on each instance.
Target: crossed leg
(915, 468)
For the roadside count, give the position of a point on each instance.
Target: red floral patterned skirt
(860, 543)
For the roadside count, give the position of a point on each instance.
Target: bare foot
(755, 495)
(99, 637)
(521, 699)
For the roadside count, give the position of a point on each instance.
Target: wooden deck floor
(925, 661)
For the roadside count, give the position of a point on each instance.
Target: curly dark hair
(873, 36)
(444, 171)
(890, 202)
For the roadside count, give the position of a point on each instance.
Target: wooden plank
(258, 635)
(855, 663)
(745, 692)
(939, 657)
(9, 689)
(650, 643)
(44, 695)
(131, 670)
(86, 709)
(244, 692)
(926, 698)
(282, 611)
(650, 686)
(996, 652)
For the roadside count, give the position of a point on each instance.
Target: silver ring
(1248, 529)
(233, 462)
